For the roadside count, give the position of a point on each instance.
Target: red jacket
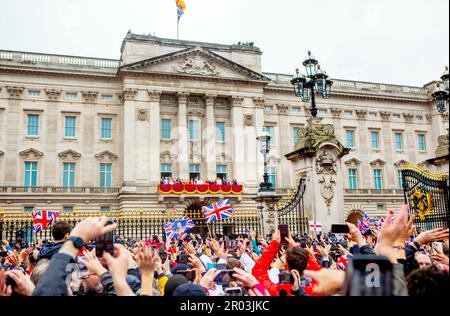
(262, 267)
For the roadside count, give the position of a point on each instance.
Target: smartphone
(188, 274)
(284, 232)
(369, 275)
(285, 277)
(340, 229)
(233, 291)
(182, 257)
(221, 266)
(303, 243)
(82, 271)
(163, 256)
(105, 243)
(438, 246)
(225, 277)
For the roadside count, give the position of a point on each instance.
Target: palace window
(353, 178)
(105, 209)
(220, 131)
(71, 95)
(107, 97)
(33, 125)
(398, 138)
(106, 128)
(34, 93)
(295, 134)
(396, 117)
(30, 179)
(68, 209)
(222, 172)
(419, 118)
(194, 171)
(378, 179)
(296, 109)
(272, 172)
(422, 142)
(400, 179)
(375, 139)
(105, 175)
(70, 128)
(68, 174)
(194, 130)
(350, 137)
(348, 113)
(166, 129)
(28, 209)
(166, 170)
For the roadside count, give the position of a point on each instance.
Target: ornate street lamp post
(316, 80)
(441, 92)
(264, 144)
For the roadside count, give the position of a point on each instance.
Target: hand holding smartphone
(340, 229)
(284, 233)
(105, 243)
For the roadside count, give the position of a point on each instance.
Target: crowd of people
(81, 262)
(218, 181)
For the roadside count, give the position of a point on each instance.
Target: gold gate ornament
(422, 203)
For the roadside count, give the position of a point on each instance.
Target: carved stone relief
(196, 65)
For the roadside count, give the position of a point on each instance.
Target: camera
(286, 277)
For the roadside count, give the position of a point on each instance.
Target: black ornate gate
(291, 210)
(427, 196)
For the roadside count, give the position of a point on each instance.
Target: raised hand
(440, 257)
(277, 236)
(24, 285)
(196, 263)
(93, 264)
(92, 228)
(329, 281)
(207, 281)
(118, 266)
(244, 278)
(430, 236)
(5, 290)
(356, 235)
(146, 259)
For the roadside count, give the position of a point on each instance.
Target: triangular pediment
(106, 154)
(198, 62)
(69, 153)
(31, 152)
(353, 162)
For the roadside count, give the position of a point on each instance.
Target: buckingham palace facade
(91, 134)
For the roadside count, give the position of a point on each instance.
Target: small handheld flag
(218, 211)
(364, 225)
(174, 229)
(42, 219)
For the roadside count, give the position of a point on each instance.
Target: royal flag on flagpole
(181, 7)
(42, 219)
(218, 211)
(176, 228)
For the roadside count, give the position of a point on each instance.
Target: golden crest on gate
(421, 203)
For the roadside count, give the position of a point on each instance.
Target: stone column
(209, 136)
(363, 147)
(387, 147)
(237, 125)
(90, 121)
(285, 144)
(411, 137)
(13, 117)
(129, 114)
(259, 124)
(183, 159)
(155, 137)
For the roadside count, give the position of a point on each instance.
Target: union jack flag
(379, 223)
(176, 228)
(42, 219)
(364, 225)
(218, 211)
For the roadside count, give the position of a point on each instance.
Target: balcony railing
(373, 191)
(62, 190)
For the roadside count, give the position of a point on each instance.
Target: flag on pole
(181, 7)
(176, 228)
(315, 226)
(218, 211)
(42, 219)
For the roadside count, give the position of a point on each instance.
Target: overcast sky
(392, 41)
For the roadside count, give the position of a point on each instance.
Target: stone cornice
(129, 94)
(89, 96)
(53, 94)
(107, 154)
(408, 117)
(14, 92)
(31, 151)
(69, 153)
(155, 95)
